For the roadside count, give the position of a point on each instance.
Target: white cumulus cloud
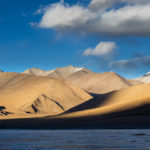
(99, 17)
(101, 49)
(61, 16)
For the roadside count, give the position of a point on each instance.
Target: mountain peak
(64, 72)
(37, 71)
(71, 68)
(60, 72)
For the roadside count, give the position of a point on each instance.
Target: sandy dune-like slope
(28, 94)
(126, 108)
(134, 82)
(99, 83)
(122, 100)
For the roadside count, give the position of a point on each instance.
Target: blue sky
(48, 33)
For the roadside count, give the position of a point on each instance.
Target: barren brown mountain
(37, 71)
(50, 101)
(118, 101)
(65, 72)
(61, 72)
(125, 108)
(99, 83)
(24, 94)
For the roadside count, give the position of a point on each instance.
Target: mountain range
(72, 97)
(86, 79)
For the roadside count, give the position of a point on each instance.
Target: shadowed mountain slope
(126, 108)
(122, 100)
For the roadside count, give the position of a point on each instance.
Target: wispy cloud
(32, 24)
(132, 64)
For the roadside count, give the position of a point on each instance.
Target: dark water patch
(74, 140)
(139, 134)
(146, 140)
(133, 141)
